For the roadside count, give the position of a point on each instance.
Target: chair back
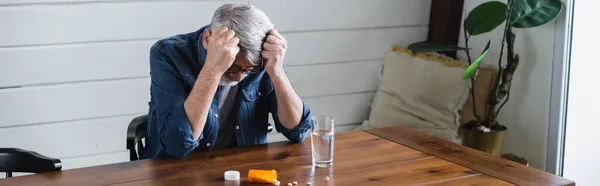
(136, 132)
(19, 160)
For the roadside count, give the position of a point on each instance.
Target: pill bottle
(262, 176)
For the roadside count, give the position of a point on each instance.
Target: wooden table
(387, 156)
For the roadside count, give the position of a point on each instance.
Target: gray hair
(250, 24)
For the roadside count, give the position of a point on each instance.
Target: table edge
(379, 133)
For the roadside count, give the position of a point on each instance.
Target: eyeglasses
(247, 70)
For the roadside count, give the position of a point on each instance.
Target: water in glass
(322, 139)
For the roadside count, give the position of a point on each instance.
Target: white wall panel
(43, 104)
(347, 109)
(62, 2)
(95, 160)
(42, 25)
(114, 60)
(156, 19)
(70, 139)
(73, 63)
(305, 15)
(277, 137)
(31, 105)
(348, 45)
(338, 78)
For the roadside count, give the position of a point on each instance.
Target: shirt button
(237, 127)
(216, 115)
(207, 144)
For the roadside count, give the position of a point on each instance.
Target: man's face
(234, 74)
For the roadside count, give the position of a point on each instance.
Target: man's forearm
(198, 102)
(289, 104)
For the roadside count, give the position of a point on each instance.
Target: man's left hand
(274, 52)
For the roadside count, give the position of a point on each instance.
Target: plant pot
(489, 142)
(515, 158)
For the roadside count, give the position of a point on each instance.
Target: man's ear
(206, 38)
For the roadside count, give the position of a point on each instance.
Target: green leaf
(424, 47)
(486, 17)
(472, 69)
(533, 13)
(487, 46)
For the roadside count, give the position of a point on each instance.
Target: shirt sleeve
(297, 134)
(167, 90)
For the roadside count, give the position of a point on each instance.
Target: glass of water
(322, 141)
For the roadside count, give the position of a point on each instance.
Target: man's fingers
(267, 54)
(274, 40)
(227, 35)
(279, 36)
(219, 30)
(275, 33)
(270, 55)
(235, 50)
(269, 47)
(233, 42)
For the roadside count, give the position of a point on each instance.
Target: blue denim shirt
(175, 63)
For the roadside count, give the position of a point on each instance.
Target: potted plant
(487, 134)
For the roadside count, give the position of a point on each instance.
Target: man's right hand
(222, 49)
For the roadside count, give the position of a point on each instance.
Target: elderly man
(214, 88)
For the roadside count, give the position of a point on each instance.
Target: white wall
(75, 72)
(526, 113)
(581, 154)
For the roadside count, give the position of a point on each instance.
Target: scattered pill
(289, 184)
(308, 183)
(295, 183)
(326, 178)
(277, 183)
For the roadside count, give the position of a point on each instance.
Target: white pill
(308, 183)
(276, 183)
(326, 178)
(295, 183)
(289, 184)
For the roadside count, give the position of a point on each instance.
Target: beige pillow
(422, 92)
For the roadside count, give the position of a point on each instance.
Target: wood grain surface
(360, 159)
(481, 179)
(488, 164)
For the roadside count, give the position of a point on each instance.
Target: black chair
(19, 160)
(269, 128)
(136, 131)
